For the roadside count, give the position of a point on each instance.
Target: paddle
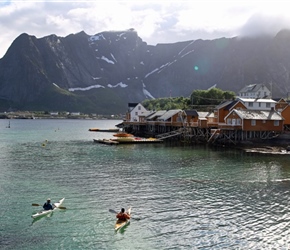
(112, 211)
(37, 205)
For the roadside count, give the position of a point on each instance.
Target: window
(276, 123)
(250, 104)
(136, 113)
(268, 105)
(229, 121)
(259, 105)
(139, 107)
(239, 121)
(253, 122)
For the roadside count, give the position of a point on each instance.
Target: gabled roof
(203, 114)
(168, 114)
(279, 100)
(252, 88)
(191, 112)
(223, 104)
(156, 115)
(257, 114)
(146, 113)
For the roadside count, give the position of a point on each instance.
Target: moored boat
(46, 212)
(120, 223)
(136, 140)
(106, 141)
(104, 130)
(123, 135)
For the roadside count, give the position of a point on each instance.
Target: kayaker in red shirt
(122, 215)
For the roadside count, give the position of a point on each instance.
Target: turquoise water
(183, 197)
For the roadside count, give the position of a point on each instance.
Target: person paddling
(47, 205)
(123, 216)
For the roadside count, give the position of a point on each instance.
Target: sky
(158, 21)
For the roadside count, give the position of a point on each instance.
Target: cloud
(155, 21)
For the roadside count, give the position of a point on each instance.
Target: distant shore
(47, 115)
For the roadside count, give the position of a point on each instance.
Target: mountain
(104, 72)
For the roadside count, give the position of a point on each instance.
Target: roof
(168, 114)
(203, 114)
(252, 88)
(223, 104)
(191, 112)
(258, 114)
(257, 100)
(156, 114)
(146, 113)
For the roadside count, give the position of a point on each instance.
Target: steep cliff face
(102, 73)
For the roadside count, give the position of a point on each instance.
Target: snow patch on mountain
(114, 57)
(187, 53)
(146, 92)
(86, 88)
(120, 84)
(106, 59)
(56, 85)
(97, 38)
(185, 47)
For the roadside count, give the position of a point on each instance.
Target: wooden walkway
(170, 134)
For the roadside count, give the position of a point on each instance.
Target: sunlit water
(183, 197)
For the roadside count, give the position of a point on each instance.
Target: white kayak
(120, 224)
(46, 212)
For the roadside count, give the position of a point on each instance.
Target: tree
(213, 96)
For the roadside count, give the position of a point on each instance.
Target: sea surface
(182, 197)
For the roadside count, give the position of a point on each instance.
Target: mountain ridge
(103, 72)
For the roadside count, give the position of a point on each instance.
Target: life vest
(123, 216)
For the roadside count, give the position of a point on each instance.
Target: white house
(137, 111)
(254, 91)
(258, 104)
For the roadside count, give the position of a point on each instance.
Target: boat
(136, 140)
(120, 223)
(123, 135)
(104, 130)
(106, 141)
(46, 212)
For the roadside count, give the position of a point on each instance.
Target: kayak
(46, 212)
(120, 223)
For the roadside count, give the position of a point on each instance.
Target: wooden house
(222, 110)
(191, 117)
(255, 120)
(204, 119)
(173, 117)
(281, 104)
(164, 121)
(285, 113)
